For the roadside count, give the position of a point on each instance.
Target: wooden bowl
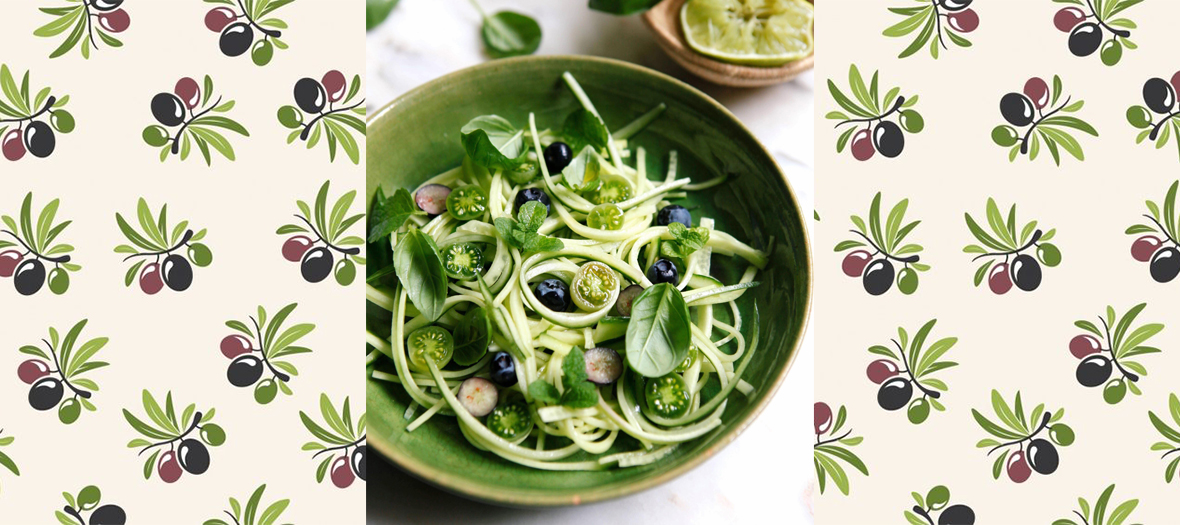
(664, 21)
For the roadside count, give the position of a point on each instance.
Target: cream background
(1013, 342)
(170, 340)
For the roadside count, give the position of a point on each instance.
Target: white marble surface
(763, 476)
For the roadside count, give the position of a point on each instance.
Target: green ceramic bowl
(417, 136)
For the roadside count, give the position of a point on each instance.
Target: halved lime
(750, 32)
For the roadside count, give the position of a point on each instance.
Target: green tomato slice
(612, 192)
(462, 261)
(689, 360)
(431, 342)
(467, 202)
(595, 286)
(511, 420)
(667, 396)
(605, 216)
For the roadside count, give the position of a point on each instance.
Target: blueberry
(554, 294)
(503, 369)
(674, 213)
(557, 156)
(530, 194)
(663, 271)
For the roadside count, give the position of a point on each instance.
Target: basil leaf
(531, 216)
(376, 11)
(508, 34)
(492, 142)
(472, 336)
(420, 268)
(622, 7)
(543, 391)
(582, 171)
(389, 214)
(658, 333)
(582, 128)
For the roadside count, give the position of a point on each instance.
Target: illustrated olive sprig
(340, 437)
(1164, 254)
(36, 239)
(238, 22)
(879, 134)
(831, 450)
(1022, 452)
(19, 106)
(5, 460)
(884, 238)
(173, 436)
(1172, 435)
(898, 384)
(949, 18)
(934, 504)
(1100, 349)
(253, 511)
(187, 109)
(62, 367)
(1159, 97)
(1050, 128)
(1017, 267)
(1098, 514)
(86, 502)
(83, 19)
(1088, 23)
(246, 369)
(330, 230)
(161, 261)
(329, 104)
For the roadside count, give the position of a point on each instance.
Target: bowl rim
(461, 485)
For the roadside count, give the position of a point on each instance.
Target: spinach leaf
(472, 336)
(492, 142)
(582, 128)
(685, 241)
(522, 232)
(419, 267)
(389, 214)
(579, 393)
(622, 7)
(658, 333)
(509, 34)
(376, 11)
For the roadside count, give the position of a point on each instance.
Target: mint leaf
(573, 367)
(685, 241)
(582, 395)
(505, 226)
(389, 214)
(544, 391)
(531, 216)
(539, 243)
(523, 234)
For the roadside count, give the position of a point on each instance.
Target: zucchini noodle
(620, 426)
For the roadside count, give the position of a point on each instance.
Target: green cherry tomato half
(467, 202)
(462, 261)
(594, 286)
(431, 342)
(667, 396)
(606, 216)
(613, 192)
(1005, 136)
(1139, 117)
(689, 360)
(511, 420)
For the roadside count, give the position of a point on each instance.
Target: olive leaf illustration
(326, 109)
(831, 451)
(156, 248)
(1097, 514)
(934, 504)
(1088, 23)
(341, 436)
(70, 359)
(1164, 254)
(1172, 435)
(19, 106)
(1031, 453)
(1159, 97)
(935, 22)
(81, 20)
(1036, 119)
(866, 107)
(330, 228)
(5, 460)
(897, 384)
(1099, 349)
(238, 22)
(1004, 241)
(86, 502)
(274, 349)
(885, 239)
(187, 110)
(249, 514)
(184, 453)
(36, 239)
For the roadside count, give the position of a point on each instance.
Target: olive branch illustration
(19, 106)
(1017, 267)
(86, 501)
(36, 239)
(1097, 514)
(187, 110)
(49, 385)
(885, 136)
(330, 229)
(1099, 349)
(329, 101)
(273, 348)
(1031, 124)
(184, 453)
(249, 513)
(897, 384)
(885, 239)
(342, 436)
(949, 18)
(1172, 435)
(1019, 430)
(159, 251)
(830, 451)
(937, 500)
(84, 19)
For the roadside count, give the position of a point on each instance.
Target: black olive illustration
(108, 515)
(29, 276)
(1094, 370)
(244, 371)
(39, 139)
(46, 393)
(316, 265)
(1165, 265)
(889, 139)
(310, 95)
(1026, 272)
(1017, 109)
(895, 393)
(358, 460)
(193, 456)
(168, 109)
(106, 5)
(1085, 39)
(1159, 96)
(957, 515)
(236, 39)
(177, 272)
(878, 277)
(954, 5)
(1042, 456)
